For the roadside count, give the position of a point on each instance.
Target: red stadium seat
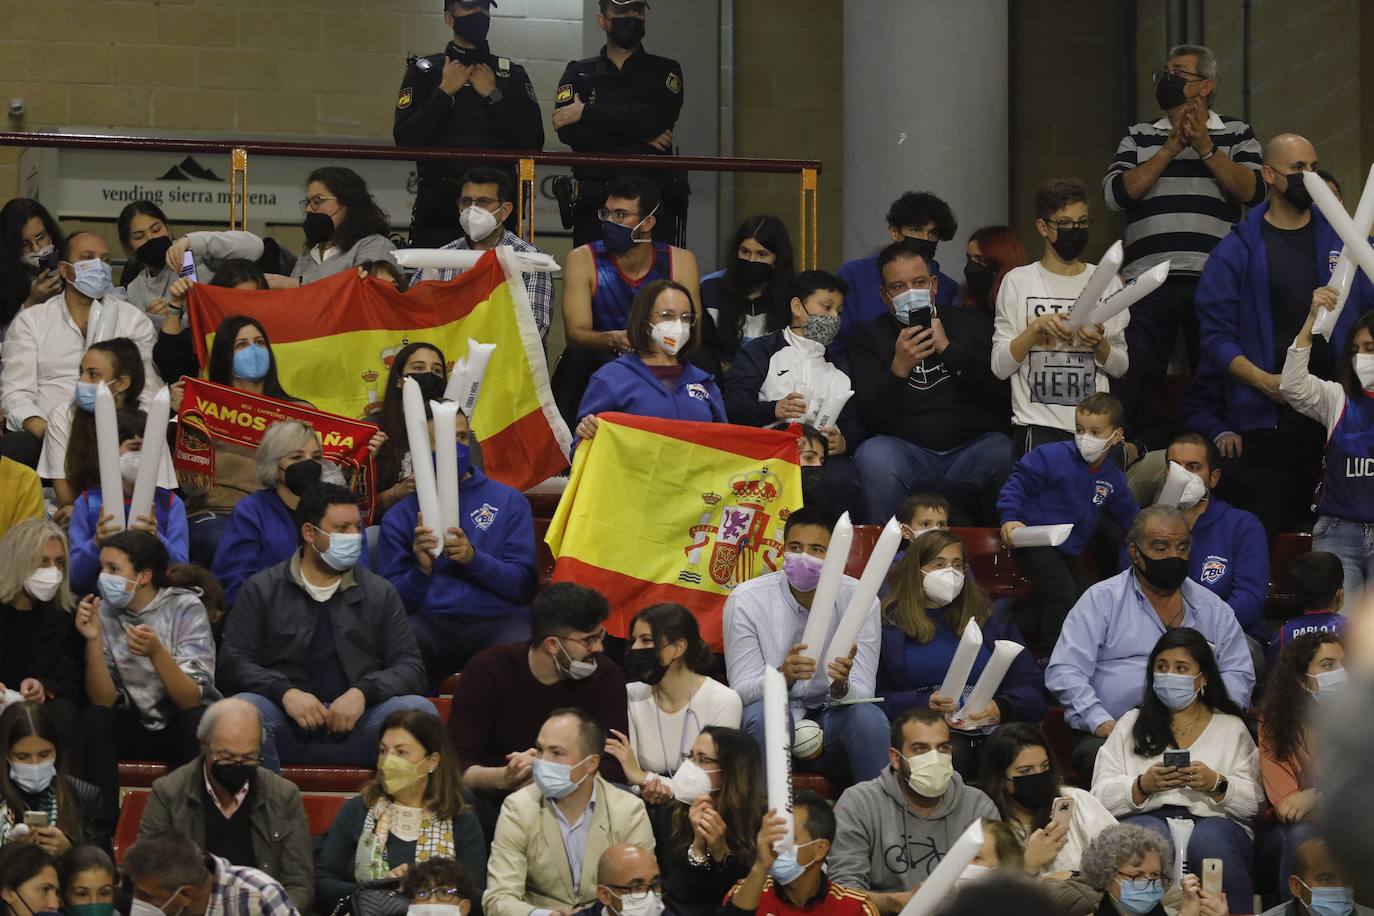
(543, 504)
(327, 778)
(816, 783)
(140, 774)
(126, 830)
(321, 810)
(992, 564)
(444, 705)
(865, 539)
(1281, 601)
(448, 685)
(543, 556)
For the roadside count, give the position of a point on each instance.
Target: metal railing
(526, 161)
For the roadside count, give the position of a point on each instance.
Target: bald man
(44, 344)
(234, 808)
(628, 883)
(1253, 297)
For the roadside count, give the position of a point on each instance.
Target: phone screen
(36, 818)
(1177, 758)
(921, 317)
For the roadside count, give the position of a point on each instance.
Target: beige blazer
(527, 868)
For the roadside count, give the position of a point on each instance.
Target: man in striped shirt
(1182, 182)
(170, 873)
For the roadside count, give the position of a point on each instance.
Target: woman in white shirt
(670, 696)
(1186, 708)
(1022, 778)
(343, 226)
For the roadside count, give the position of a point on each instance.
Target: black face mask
(232, 776)
(1034, 792)
(643, 665)
(302, 475)
(319, 228)
(627, 32)
(1169, 91)
(813, 480)
(431, 386)
(154, 252)
(978, 277)
(1069, 243)
(472, 29)
(1167, 574)
(926, 247)
(753, 273)
(1296, 193)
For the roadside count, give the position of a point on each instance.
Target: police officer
(624, 100)
(462, 98)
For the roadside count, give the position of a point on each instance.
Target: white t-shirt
(52, 463)
(663, 740)
(1089, 818)
(1047, 386)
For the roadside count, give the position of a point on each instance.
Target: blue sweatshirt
(262, 532)
(865, 300)
(1053, 485)
(1305, 623)
(1236, 316)
(629, 386)
(85, 554)
(909, 672)
(1230, 558)
(502, 576)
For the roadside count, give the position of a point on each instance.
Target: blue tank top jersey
(614, 292)
(1348, 478)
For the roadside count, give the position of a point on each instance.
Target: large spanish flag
(666, 510)
(334, 341)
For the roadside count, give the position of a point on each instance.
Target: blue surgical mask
(344, 550)
(786, 868)
(252, 362)
(85, 395)
(619, 239)
(93, 277)
(905, 303)
(1140, 900)
(555, 779)
(1175, 691)
(114, 590)
(34, 777)
(1329, 683)
(1330, 901)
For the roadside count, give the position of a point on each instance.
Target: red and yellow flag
(334, 341)
(666, 510)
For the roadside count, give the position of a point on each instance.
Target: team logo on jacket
(744, 532)
(698, 391)
(484, 516)
(1213, 568)
(1332, 257)
(1102, 491)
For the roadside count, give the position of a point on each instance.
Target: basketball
(807, 740)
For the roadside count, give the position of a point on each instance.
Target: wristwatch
(1221, 786)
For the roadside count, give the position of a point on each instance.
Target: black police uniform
(427, 116)
(626, 108)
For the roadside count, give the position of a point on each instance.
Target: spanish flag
(666, 510)
(334, 341)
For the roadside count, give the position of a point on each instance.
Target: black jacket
(54, 654)
(690, 890)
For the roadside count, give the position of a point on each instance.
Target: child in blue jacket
(1067, 483)
(1318, 583)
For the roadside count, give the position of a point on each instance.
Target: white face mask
(973, 872)
(43, 583)
(1364, 369)
(434, 909)
(478, 223)
(1092, 448)
(691, 782)
(671, 336)
(128, 466)
(942, 585)
(650, 904)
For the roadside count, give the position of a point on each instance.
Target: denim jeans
(448, 643)
(1213, 838)
(862, 729)
(1353, 542)
(286, 741)
(891, 469)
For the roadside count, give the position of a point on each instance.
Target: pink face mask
(803, 571)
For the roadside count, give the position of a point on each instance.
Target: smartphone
(921, 316)
(1061, 810)
(188, 267)
(49, 261)
(1177, 759)
(35, 819)
(1211, 876)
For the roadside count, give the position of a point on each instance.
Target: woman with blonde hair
(930, 601)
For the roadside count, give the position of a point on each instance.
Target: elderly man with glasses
(232, 807)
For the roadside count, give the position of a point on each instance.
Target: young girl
(88, 881)
(36, 778)
(28, 881)
(92, 523)
(749, 298)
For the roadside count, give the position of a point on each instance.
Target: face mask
(85, 395)
(1176, 691)
(252, 362)
(115, 590)
(1169, 91)
(942, 585)
(1034, 792)
(434, 909)
(650, 904)
(1329, 683)
(34, 260)
(786, 868)
(93, 278)
(931, 773)
(813, 482)
(1167, 574)
(431, 386)
(1364, 369)
(926, 247)
(671, 336)
(319, 228)
(343, 551)
(619, 239)
(1069, 243)
(691, 782)
(43, 583)
(128, 466)
(978, 277)
(1329, 901)
(33, 778)
(1193, 492)
(144, 908)
(555, 779)
(821, 328)
(627, 32)
(577, 669)
(643, 665)
(478, 224)
(154, 252)
(973, 872)
(802, 570)
(1140, 901)
(1092, 448)
(753, 273)
(399, 775)
(473, 29)
(1296, 193)
(232, 776)
(90, 909)
(302, 475)
(903, 304)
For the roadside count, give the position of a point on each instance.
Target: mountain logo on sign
(189, 169)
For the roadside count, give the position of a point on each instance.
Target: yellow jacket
(23, 494)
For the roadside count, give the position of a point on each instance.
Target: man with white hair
(234, 808)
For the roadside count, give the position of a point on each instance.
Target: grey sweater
(371, 248)
(882, 844)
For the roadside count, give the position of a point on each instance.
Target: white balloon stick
(479, 355)
(457, 385)
(150, 458)
(956, 679)
(104, 321)
(1172, 491)
(1041, 535)
(829, 413)
(777, 742)
(107, 451)
(934, 889)
(1091, 295)
(445, 465)
(823, 601)
(1130, 294)
(1004, 652)
(861, 602)
(460, 260)
(1356, 242)
(1343, 275)
(421, 461)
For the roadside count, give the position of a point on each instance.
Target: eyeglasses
(702, 760)
(638, 891)
(1143, 882)
(1188, 75)
(1061, 225)
(486, 203)
(687, 318)
(223, 759)
(587, 642)
(438, 893)
(616, 216)
(314, 203)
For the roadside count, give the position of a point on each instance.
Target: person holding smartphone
(40, 802)
(29, 243)
(1186, 752)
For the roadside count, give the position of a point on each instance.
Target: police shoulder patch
(503, 66)
(674, 83)
(565, 94)
(407, 96)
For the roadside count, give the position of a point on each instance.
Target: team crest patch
(1213, 568)
(407, 96)
(1332, 257)
(565, 94)
(698, 391)
(484, 517)
(1102, 491)
(502, 66)
(674, 83)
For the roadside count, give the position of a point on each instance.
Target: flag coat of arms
(666, 510)
(334, 342)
